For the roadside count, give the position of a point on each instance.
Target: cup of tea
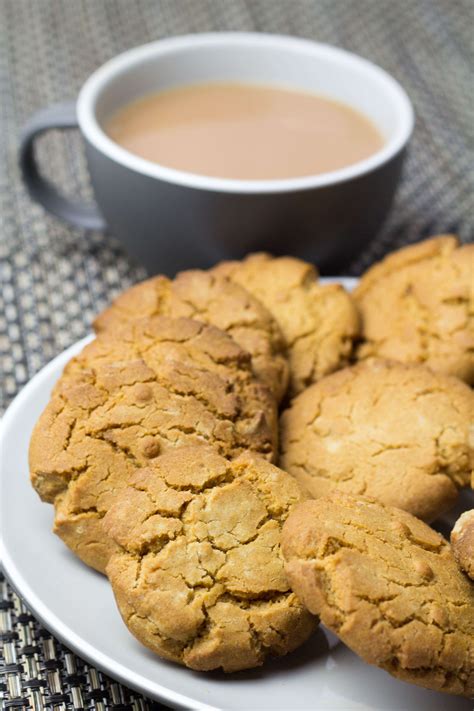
(210, 146)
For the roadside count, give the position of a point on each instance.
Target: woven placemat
(38, 672)
(53, 279)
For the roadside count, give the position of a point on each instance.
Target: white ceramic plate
(77, 605)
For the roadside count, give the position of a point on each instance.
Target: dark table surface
(53, 279)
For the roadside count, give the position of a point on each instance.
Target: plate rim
(47, 616)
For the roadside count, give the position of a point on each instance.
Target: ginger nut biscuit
(215, 300)
(319, 322)
(129, 396)
(462, 542)
(387, 585)
(398, 433)
(417, 306)
(198, 573)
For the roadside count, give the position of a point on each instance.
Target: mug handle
(77, 213)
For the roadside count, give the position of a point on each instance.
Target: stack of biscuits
(246, 452)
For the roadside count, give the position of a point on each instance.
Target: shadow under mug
(170, 220)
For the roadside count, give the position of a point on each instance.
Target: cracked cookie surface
(398, 433)
(319, 322)
(417, 306)
(462, 542)
(198, 574)
(131, 395)
(387, 585)
(215, 300)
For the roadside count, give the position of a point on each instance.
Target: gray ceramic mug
(169, 219)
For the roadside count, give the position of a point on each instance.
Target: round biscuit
(131, 395)
(388, 585)
(212, 299)
(396, 432)
(319, 322)
(417, 306)
(197, 572)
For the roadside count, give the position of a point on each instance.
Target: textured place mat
(38, 672)
(53, 279)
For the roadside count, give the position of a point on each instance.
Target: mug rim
(94, 133)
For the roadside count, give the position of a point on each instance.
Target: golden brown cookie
(213, 299)
(129, 396)
(462, 542)
(399, 433)
(198, 573)
(417, 306)
(318, 322)
(387, 585)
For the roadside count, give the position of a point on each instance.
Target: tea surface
(244, 131)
